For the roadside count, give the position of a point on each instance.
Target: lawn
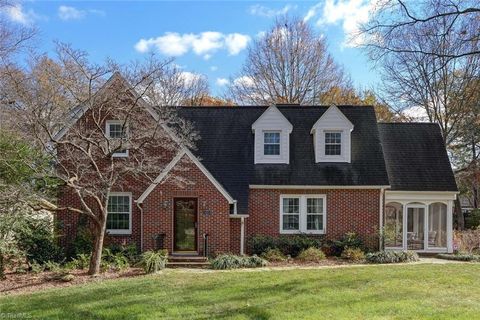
(436, 291)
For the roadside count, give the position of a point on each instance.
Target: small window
(333, 143)
(271, 143)
(314, 214)
(116, 129)
(291, 214)
(119, 213)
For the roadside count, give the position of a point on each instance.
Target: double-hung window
(116, 130)
(302, 214)
(271, 143)
(119, 218)
(333, 143)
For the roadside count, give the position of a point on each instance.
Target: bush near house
(274, 255)
(231, 261)
(348, 240)
(392, 257)
(472, 219)
(468, 240)
(154, 261)
(460, 257)
(353, 254)
(288, 245)
(311, 255)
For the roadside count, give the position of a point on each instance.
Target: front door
(185, 224)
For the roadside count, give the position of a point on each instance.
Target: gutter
(140, 207)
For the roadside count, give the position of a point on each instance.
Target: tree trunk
(460, 216)
(96, 258)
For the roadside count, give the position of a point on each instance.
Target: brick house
(287, 169)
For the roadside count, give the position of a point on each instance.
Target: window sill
(302, 232)
(119, 232)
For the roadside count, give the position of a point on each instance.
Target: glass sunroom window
(393, 229)
(437, 225)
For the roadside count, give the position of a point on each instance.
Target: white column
(242, 236)
(450, 226)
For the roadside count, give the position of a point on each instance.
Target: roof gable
(333, 118)
(272, 118)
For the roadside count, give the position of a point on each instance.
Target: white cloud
(259, 10)
(190, 77)
(244, 81)
(17, 13)
(350, 13)
(204, 44)
(222, 82)
(71, 13)
(236, 42)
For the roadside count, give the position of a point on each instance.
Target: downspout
(139, 205)
(380, 240)
(242, 236)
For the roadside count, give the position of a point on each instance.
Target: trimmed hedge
(231, 261)
(392, 257)
(459, 257)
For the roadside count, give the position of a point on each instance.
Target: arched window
(393, 227)
(437, 225)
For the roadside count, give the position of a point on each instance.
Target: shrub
(153, 261)
(469, 240)
(129, 251)
(311, 255)
(459, 257)
(52, 266)
(117, 261)
(353, 254)
(83, 241)
(38, 242)
(348, 240)
(255, 262)
(82, 261)
(392, 256)
(274, 255)
(36, 267)
(288, 245)
(472, 219)
(231, 261)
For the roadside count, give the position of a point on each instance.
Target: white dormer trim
(332, 120)
(272, 120)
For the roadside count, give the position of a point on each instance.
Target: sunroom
(419, 221)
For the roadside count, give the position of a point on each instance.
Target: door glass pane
(415, 228)
(185, 224)
(437, 225)
(393, 229)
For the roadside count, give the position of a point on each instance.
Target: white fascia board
(298, 187)
(333, 108)
(269, 110)
(420, 195)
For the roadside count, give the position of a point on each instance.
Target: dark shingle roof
(226, 149)
(416, 157)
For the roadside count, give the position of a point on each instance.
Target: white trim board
(298, 187)
(172, 164)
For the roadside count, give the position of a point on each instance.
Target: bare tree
(178, 87)
(92, 162)
(436, 83)
(289, 64)
(393, 20)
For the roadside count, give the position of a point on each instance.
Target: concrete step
(187, 264)
(185, 258)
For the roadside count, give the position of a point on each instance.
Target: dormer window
(333, 143)
(332, 137)
(116, 129)
(272, 137)
(271, 143)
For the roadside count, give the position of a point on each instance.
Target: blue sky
(205, 37)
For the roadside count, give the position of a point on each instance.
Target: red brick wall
(235, 235)
(348, 210)
(213, 210)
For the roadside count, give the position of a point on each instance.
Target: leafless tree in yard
(289, 64)
(437, 83)
(393, 20)
(91, 162)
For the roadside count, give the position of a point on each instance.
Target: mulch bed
(28, 282)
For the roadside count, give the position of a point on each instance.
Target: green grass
(410, 291)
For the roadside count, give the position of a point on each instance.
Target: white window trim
(272, 156)
(107, 133)
(303, 213)
(123, 231)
